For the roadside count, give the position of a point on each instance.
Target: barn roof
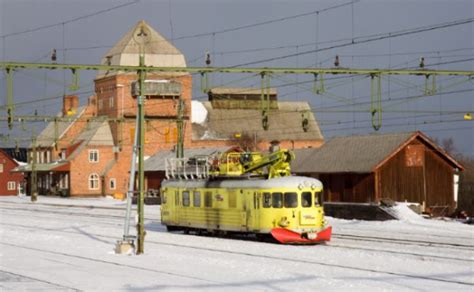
(359, 154)
(285, 123)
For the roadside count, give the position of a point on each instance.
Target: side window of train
(277, 200)
(267, 200)
(306, 199)
(163, 198)
(186, 198)
(197, 199)
(318, 198)
(176, 198)
(291, 200)
(208, 199)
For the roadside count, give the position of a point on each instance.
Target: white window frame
(64, 181)
(93, 181)
(111, 102)
(101, 103)
(63, 154)
(112, 183)
(11, 186)
(1, 167)
(91, 151)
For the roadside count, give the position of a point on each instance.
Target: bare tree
(248, 141)
(448, 145)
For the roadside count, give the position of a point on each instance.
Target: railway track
(404, 241)
(331, 245)
(247, 254)
(102, 219)
(4, 275)
(56, 253)
(335, 235)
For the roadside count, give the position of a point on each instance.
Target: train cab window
(208, 199)
(163, 199)
(267, 200)
(277, 200)
(318, 199)
(186, 199)
(306, 199)
(291, 200)
(197, 199)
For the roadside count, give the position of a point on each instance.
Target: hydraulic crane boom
(240, 163)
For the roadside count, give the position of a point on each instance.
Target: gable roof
(97, 132)
(9, 157)
(285, 123)
(158, 51)
(47, 136)
(359, 154)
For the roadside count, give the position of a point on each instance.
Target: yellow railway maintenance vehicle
(233, 194)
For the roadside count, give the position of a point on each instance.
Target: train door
(253, 223)
(256, 209)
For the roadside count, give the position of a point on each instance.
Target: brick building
(90, 153)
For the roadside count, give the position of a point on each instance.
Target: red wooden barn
(365, 169)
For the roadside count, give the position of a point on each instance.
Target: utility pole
(180, 126)
(141, 38)
(34, 178)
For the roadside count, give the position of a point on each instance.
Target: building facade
(89, 151)
(10, 182)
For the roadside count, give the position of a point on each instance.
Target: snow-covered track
(113, 263)
(5, 275)
(405, 241)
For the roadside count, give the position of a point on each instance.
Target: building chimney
(70, 105)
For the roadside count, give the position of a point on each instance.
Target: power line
(70, 20)
(370, 39)
(264, 22)
(214, 33)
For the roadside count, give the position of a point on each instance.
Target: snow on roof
(20, 163)
(199, 112)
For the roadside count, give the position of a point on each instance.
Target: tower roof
(158, 51)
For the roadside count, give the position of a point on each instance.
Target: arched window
(94, 181)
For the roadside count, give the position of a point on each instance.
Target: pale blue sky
(174, 19)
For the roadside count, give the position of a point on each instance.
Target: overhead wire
(30, 30)
(375, 37)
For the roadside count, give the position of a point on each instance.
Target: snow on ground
(64, 244)
(404, 213)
